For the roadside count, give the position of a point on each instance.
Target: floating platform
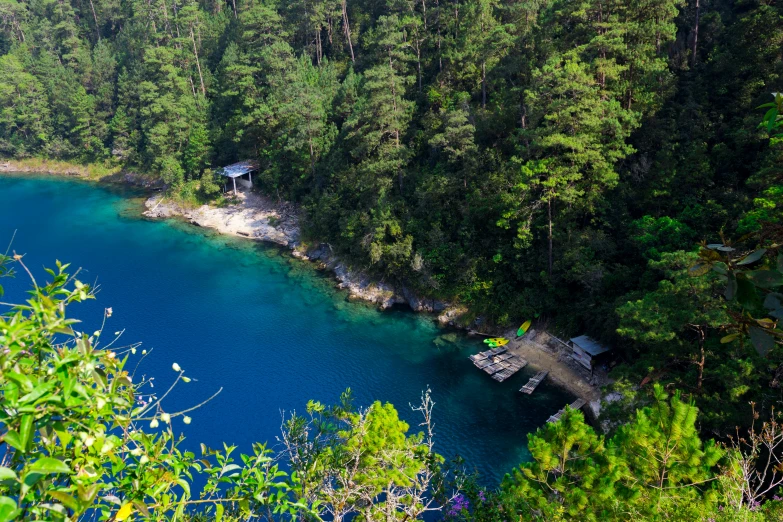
(514, 365)
(533, 383)
(498, 363)
(577, 404)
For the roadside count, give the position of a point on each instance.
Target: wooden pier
(577, 404)
(533, 383)
(498, 363)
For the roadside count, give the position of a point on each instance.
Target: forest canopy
(519, 157)
(599, 164)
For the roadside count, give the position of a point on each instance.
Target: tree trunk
(347, 28)
(234, 4)
(94, 17)
(700, 364)
(318, 50)
(198, 64)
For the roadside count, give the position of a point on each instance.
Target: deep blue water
(267, 328)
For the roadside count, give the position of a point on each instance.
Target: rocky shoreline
(257, 217)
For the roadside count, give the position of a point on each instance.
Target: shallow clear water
(268, 328)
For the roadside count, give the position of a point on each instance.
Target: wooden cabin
(587, 351)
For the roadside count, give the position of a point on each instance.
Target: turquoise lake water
(269, 329)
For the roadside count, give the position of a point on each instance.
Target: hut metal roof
(590, 346)
(238, 169)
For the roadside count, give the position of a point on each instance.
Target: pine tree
(665, 455)
(571, 474)
(24, 112)
(304, 134)
(578, 141)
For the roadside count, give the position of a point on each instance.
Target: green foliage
(654, 468)
(655, 236)
(558, 157)
(84, 436)
(571, 472)
(460, 149)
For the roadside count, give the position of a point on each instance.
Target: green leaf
(753, 257)
(7, 473)
(747, 295)
(184, 485)
(13, 440)
(26, 432)
(8, 509)
(66, 499)
(765, 278)
(731, 286)
(231, 470)
(770, 117)
(48, 465)
(773, 301)
(762, 341)
(141, 507)
(728, 338)
(219, 512)
(698, 270)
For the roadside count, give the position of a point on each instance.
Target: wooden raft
(514, 364)
(577, 404)
(533, 383)
(498, 363)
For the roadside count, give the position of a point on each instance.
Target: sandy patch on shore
(542, 352)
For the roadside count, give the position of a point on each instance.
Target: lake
(267, 328)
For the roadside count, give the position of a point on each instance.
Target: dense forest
(85, 435)
(563, 158)
(520, 157)
(546, 157)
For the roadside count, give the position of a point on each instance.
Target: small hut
(587, 351)
(239, 170)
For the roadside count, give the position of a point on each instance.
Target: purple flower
(481, 495)
(459, 503)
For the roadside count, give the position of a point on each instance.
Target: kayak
(493, 340)
(523, 329)
(498, 342)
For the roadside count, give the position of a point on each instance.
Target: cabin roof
(238, 169)
(589, 345)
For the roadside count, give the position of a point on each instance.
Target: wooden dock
(533, 383)
(577, 404)
(514, 364)
(498, 363)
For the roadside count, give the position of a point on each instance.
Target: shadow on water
(271, 330)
